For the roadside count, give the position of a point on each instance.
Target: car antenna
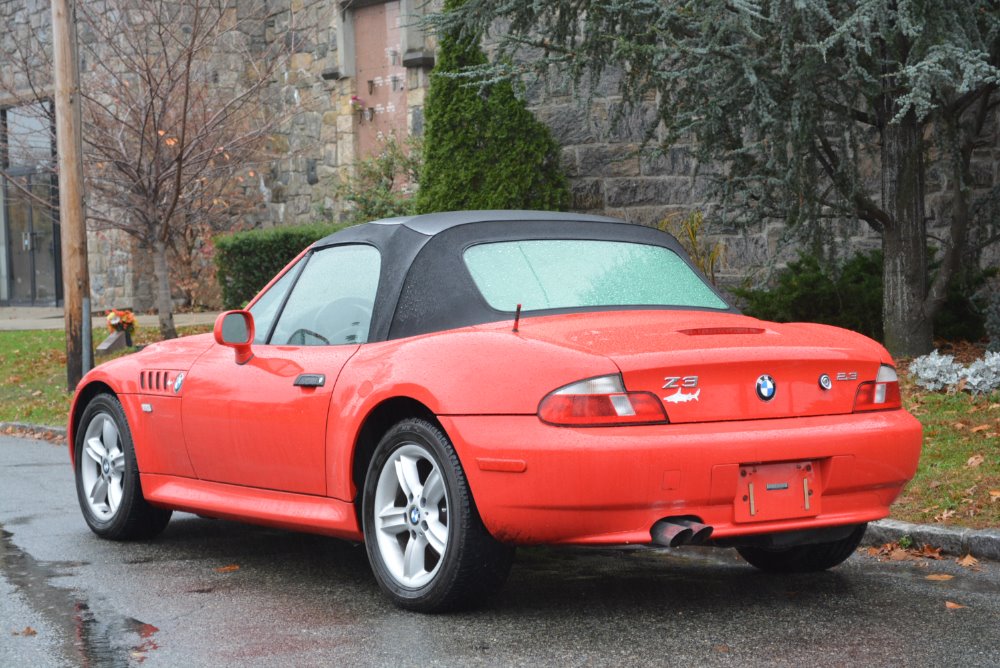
(517, 317)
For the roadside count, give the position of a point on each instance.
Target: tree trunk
(908, 328)
(164, 302)
(143, 280)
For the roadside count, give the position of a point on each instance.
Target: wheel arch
(83, 397)
(378, 421)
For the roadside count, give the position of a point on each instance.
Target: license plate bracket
(776, 492)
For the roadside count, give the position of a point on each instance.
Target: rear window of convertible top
(566, 273)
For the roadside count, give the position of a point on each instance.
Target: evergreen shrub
(483, 149)
(850, 296)
(808, 291)
(248, 260)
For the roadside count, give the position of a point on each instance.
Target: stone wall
(603, 154)
(320, 141)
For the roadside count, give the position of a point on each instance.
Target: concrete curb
(40, 430)
(959, 541)
(980, 543)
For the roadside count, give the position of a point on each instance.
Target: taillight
(881, 395)
(600, 402)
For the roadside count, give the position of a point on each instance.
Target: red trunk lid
(707, 366)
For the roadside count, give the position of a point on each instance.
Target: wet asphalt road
(306, 600)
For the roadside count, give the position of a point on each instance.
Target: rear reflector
(600, 402)
(881, 395)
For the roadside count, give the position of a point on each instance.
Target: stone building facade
(358, 69)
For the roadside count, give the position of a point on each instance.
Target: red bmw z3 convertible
(449, 386)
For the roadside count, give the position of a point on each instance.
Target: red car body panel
(243, 441)
(296, 512)
(610, 484)
(533, 483)
(273, 434)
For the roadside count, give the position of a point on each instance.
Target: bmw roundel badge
(766, 388)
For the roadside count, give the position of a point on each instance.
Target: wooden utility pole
(69, 150)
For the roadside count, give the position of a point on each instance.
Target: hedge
(248, 260)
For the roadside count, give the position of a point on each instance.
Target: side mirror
(235, 330)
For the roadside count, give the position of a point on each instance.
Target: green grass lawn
(33, 377)
(33, 372)
(958, 481)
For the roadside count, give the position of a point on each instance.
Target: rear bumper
(535, 483)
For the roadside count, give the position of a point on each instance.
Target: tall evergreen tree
(817, 108)
(482, 148)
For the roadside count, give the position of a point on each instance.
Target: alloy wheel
(411, 515)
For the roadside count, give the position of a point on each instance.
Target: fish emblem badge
(679, 397)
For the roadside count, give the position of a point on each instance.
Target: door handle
(310, 380)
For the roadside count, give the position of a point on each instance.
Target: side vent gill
(157, 381)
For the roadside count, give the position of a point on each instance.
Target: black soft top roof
(430, 224)
(424, 284)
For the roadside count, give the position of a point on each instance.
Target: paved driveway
(212, 593)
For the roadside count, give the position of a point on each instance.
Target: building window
(30, 271)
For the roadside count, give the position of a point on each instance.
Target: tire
(107, 476)
(804, 558)
(426, 544)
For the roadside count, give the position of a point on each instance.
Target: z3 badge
(673, 382)
(679, 383)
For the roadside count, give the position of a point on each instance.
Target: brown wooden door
(381, 76)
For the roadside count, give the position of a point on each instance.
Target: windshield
(567, 273)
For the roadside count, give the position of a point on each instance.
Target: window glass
(29, 136)
(265, 309)
(332, 301)
(565, 273)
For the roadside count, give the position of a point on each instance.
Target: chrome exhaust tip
(668, 533)
(699, 532)
(673, 532)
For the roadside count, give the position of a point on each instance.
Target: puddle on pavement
(87, 638)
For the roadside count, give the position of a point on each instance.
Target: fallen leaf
(995, 495)
(944, 515)
(899, 554)
(939, 577)
(953, 606)
(975, 460)
(968, 561)
(982, 427)
(958, 425)
(722, 649)
(928, 552)
(27, 632)
(227, 569)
